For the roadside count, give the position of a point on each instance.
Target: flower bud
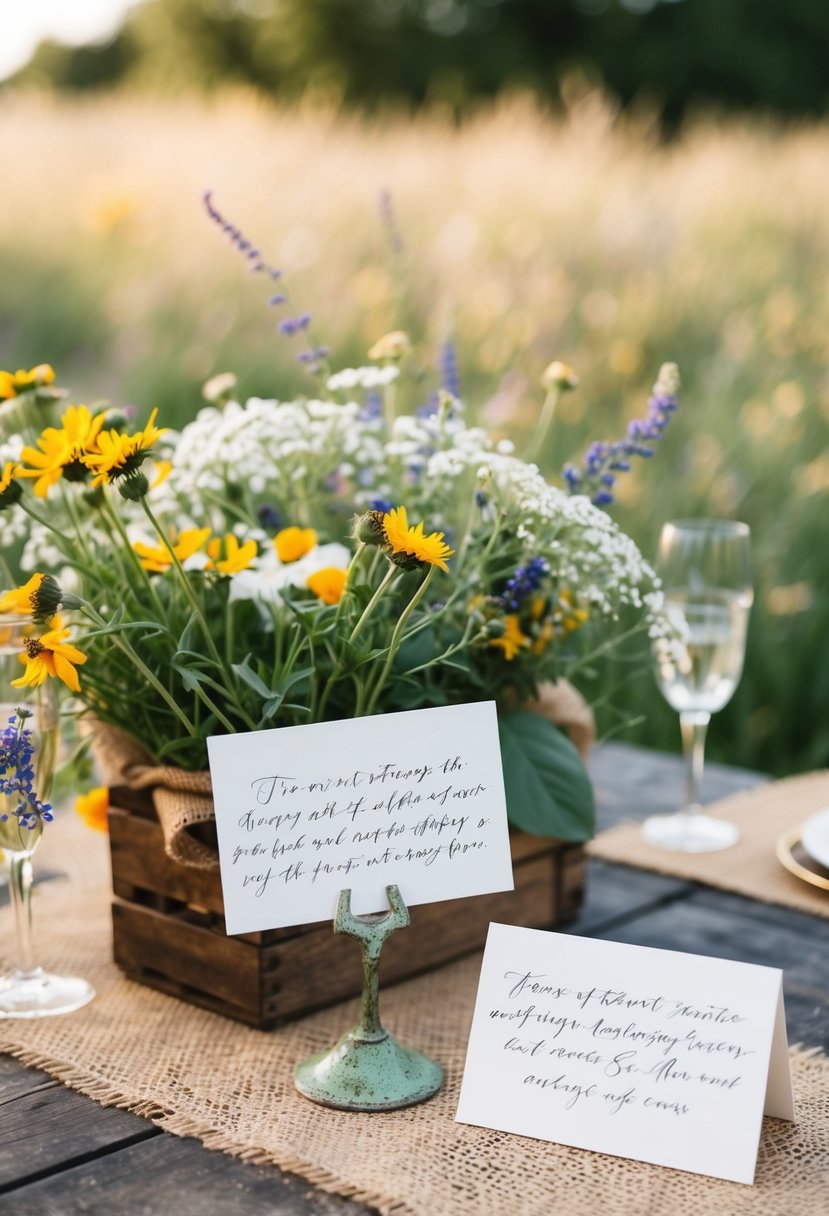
(220, 389)
(369, 529)
(134, 487)
(559, 375)
(45, 599)
(391, 346)
(667, 382)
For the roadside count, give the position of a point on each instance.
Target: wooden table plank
(53, 1126)
(169, 1175)
(729, 926)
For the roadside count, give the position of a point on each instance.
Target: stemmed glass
(705, 567)
(28, 751)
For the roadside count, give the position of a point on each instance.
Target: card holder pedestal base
(367, 1069)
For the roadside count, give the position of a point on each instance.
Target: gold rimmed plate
(792, 855)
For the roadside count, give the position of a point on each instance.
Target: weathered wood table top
(61, 1153)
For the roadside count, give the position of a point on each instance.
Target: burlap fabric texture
(200, 1075)
(750, 867)
(183, 800)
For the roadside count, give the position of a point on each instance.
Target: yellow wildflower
(236, 557)
(162, 470)
(39, 598)
(51, 655)
(559, 375)
(293, 543)
(568, 617)
(513, 640)
(12, 384)
(93, 807)
(328, 584)
(391, 346)
(396, 528)
(63, 449)
(116, 455)
(430, 550)
(10, 489)
(157, 559)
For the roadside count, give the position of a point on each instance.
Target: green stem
(339, 666)
(121, 642)
(144, 575)
(545, 421)
(389, 406)
(229, 683)
(70, 511)
(396, 639)
(391, 574)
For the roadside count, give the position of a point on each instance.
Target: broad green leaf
(547, 787)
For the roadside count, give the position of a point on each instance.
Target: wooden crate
(169, 927)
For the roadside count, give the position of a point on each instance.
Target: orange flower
(293, 543)
(328, 584)
(93, 807)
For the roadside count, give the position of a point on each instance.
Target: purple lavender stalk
(294, 323)
(604, 461)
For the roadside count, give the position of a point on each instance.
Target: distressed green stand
(368, 1069)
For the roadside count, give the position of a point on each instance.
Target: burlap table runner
(200, 1075)
(750, 867)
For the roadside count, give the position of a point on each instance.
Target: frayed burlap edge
(212, 1138)
(184, 800)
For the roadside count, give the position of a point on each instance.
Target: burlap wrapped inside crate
(184, 800)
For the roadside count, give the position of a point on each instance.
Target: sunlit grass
(526, 239)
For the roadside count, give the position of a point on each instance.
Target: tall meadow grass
(526, 238)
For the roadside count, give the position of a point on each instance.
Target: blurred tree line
(675, 53)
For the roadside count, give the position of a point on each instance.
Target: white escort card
(414, 798)
(655, 1055)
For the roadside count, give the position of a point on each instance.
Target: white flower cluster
(435, 464)
(362, 377)
(317, 461)
(280, 449)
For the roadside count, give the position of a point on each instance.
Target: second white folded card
(651, 1054)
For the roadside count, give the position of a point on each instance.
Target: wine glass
(28, 752)
(705, 568)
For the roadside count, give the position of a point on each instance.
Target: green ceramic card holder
(368, 1070)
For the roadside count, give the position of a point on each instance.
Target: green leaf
(246, 673)
(547, 787)
(189, 678)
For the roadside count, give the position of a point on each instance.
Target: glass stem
(20, 886)
(693, 725)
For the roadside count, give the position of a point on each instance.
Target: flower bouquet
(281, 563)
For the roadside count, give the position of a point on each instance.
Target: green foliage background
(677, 52)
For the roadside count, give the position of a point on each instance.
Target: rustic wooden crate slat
(169, 930)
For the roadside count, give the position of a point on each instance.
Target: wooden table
(62, 1154)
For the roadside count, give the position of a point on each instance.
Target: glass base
(37, 994)
(690, 833)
